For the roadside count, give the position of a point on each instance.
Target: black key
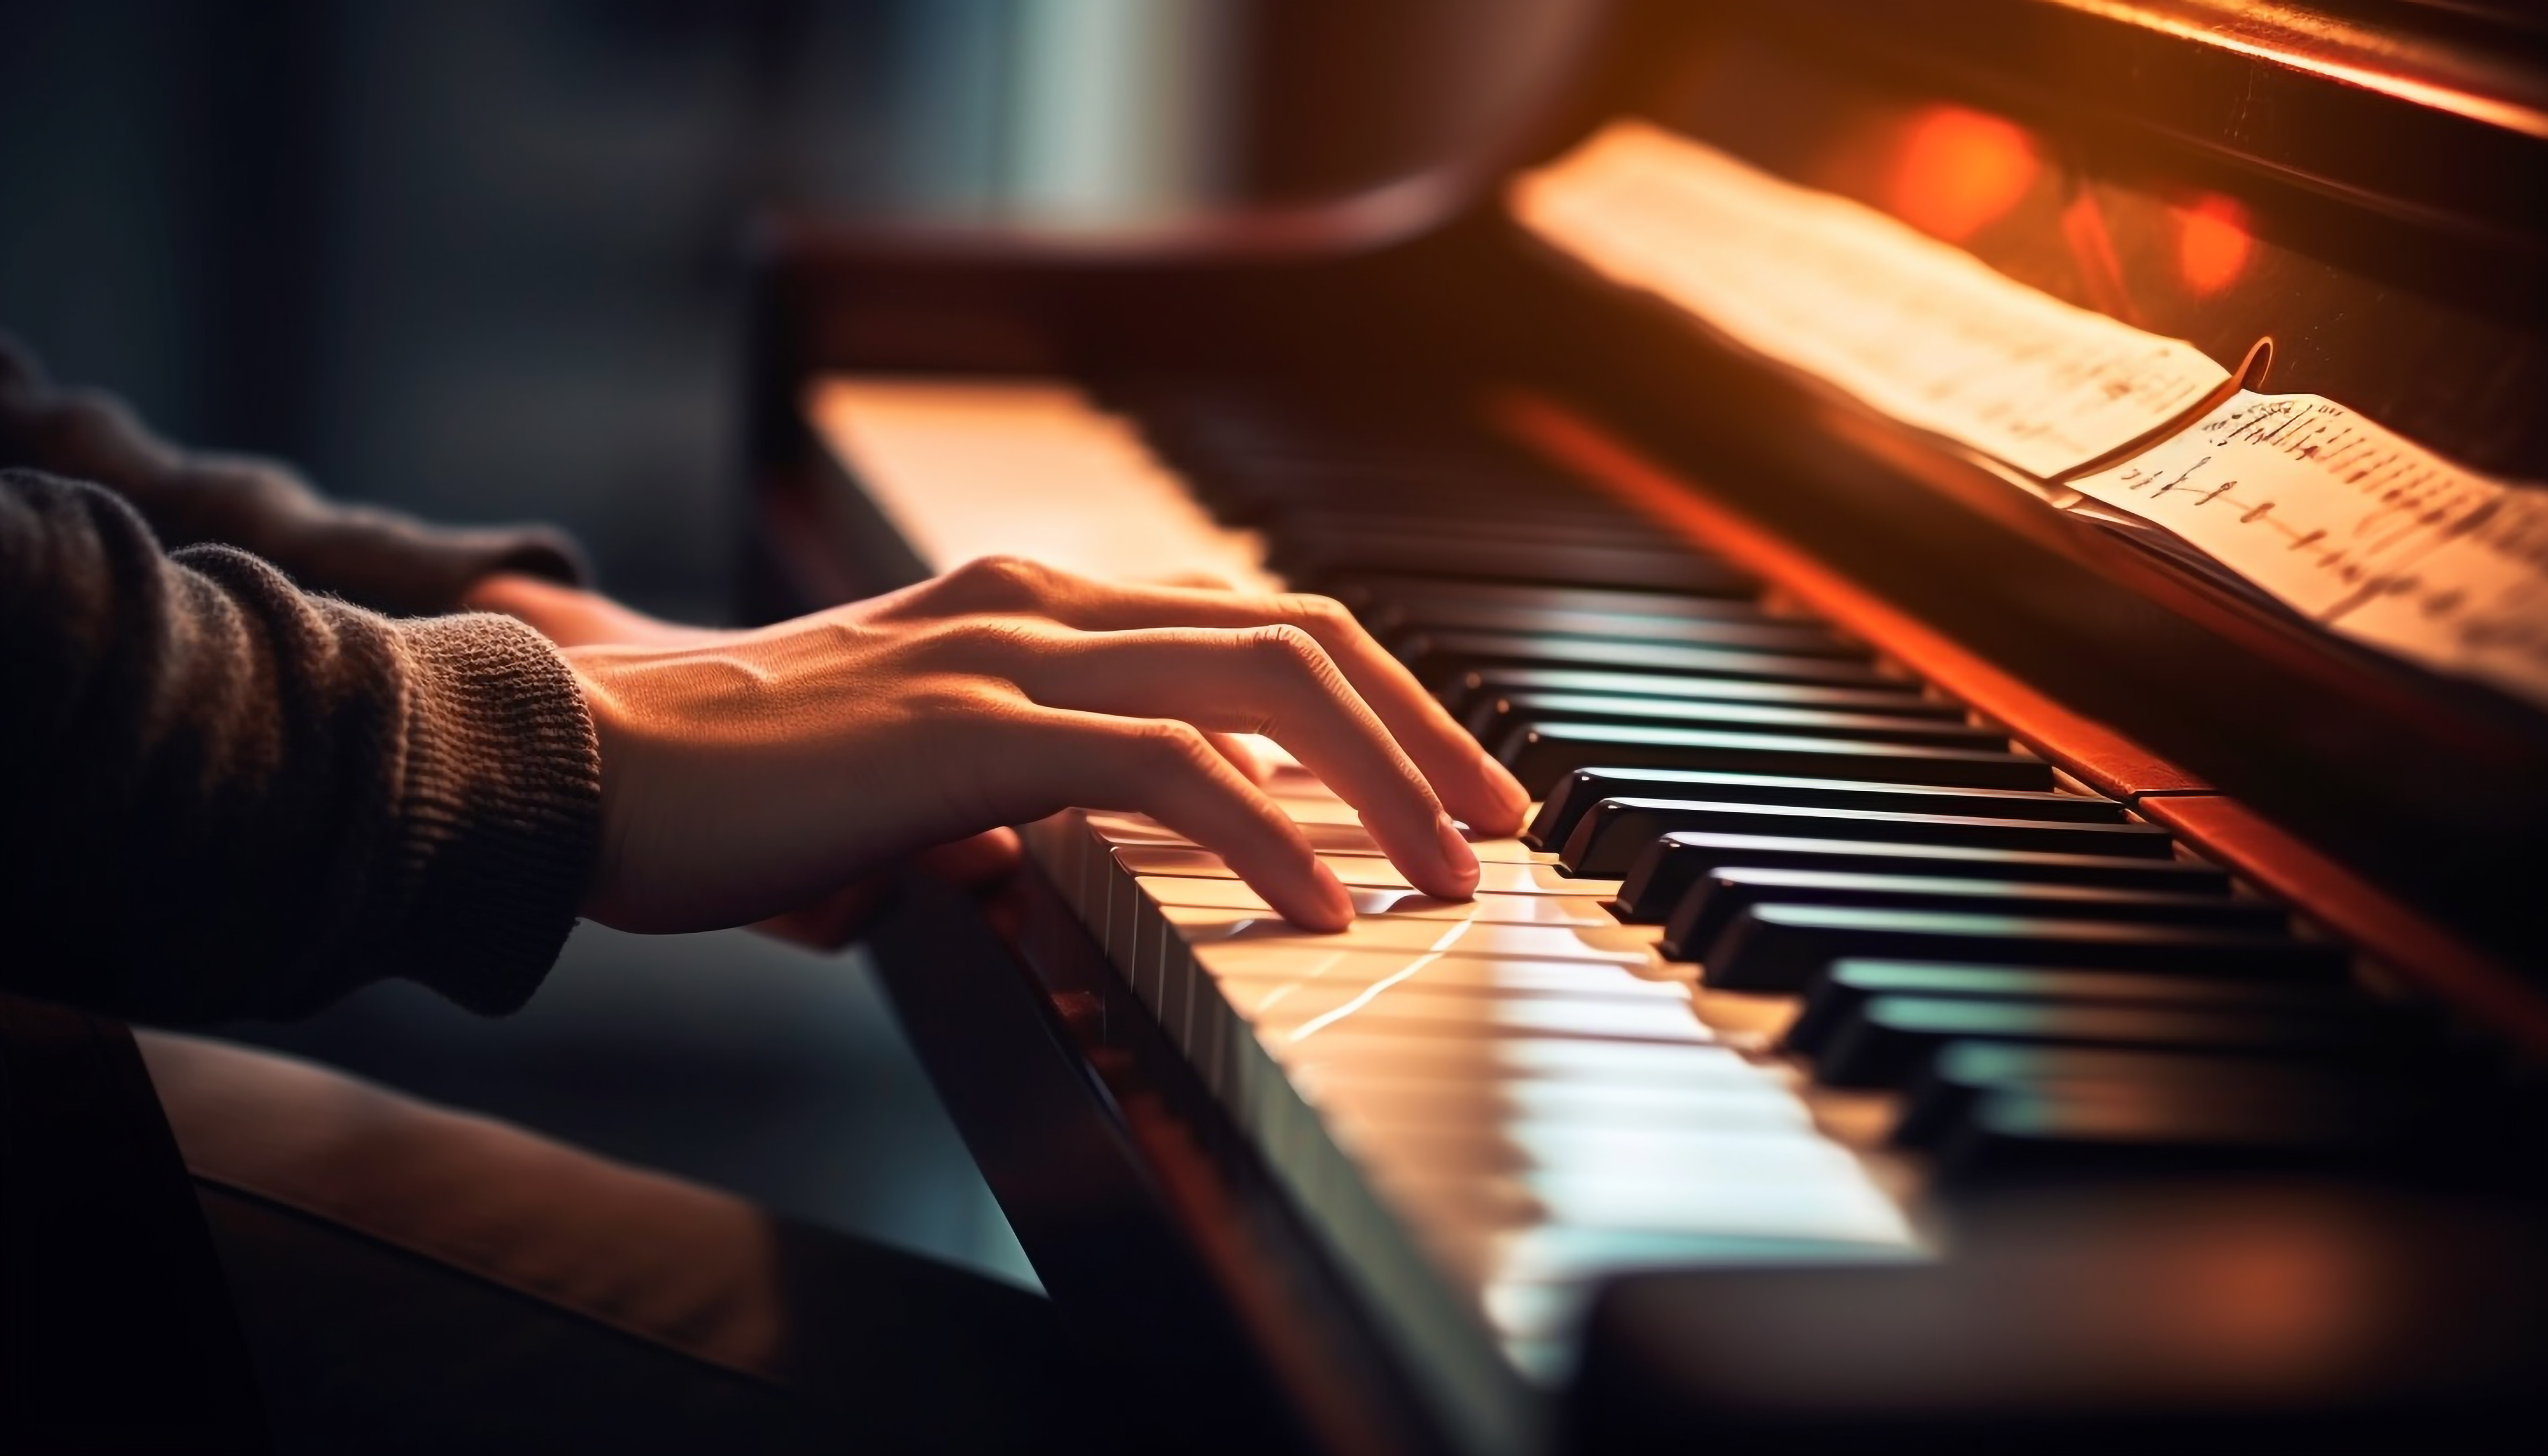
(1666, 870)
(1962, 1072)
(1473, 697)
(1496, 722)
(1606, 843)
(1892, 1037)
(2035, 1137)
(1785, 948)
(1712, 903)
(1415, 597)
(1840, 996)
(1312, 525)
(1438, 658)
(1804, 639)
(1264, 498)
(1540, 754)
(1574, 797)
(1426, 554)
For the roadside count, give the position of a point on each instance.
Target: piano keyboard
(1795, 951)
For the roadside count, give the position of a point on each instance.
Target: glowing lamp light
(1960, 170)
(2212, 244)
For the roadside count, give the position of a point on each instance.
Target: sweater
(250, 759)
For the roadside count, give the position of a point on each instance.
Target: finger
(1471, 783)
(1200, 581)
(1167, 770)
(829, 923)
(1243, 757)
(1279, 682)
(974, 859)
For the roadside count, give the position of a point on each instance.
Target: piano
(1966, 976)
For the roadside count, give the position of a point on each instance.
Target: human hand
(571, 616)
(748, 773)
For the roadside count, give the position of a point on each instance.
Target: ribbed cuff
(500, 811)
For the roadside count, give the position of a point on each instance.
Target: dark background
(482, 259)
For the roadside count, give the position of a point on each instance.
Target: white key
(1325, 836)
(948, 464)
(1365, 872)
(1614, 945)
(1225, 893)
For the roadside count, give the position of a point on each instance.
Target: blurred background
(482, 260)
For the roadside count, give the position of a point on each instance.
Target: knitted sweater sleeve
(227, 797)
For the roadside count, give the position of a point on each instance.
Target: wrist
(571, 616)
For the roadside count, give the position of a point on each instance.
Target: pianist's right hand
(746, 774)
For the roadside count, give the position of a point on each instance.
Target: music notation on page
(1915, 328)
(2358, 528)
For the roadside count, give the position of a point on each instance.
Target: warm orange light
(1960, 170)
(2212, 243)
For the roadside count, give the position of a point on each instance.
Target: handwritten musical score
(1913, 326)
(2358, 528)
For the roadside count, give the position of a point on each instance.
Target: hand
(744, 774)
(571, 616)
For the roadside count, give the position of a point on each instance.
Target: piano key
(1269, 489)
(1388, 1097)
(1399, 599)
(1406, 905)
(1366, 871)
(1713, 903)
(1802, 639)
(1587, 1150)
(1784, 947)
(1542, 754)
(1494, 721)
(1695, 1067)
(1423, 553)
(1607, 841)
(1472, 698)
(1890, 1038)
(1439, 658)
(1960, 1073)
(1840, 996)
(1613, 945)
(1655, 884)
(1325, 837)
(1555, 1251)
(1574, 795)
(2039, 1135)
(1315, 1008)
(1799, 1189)
(1314, 528)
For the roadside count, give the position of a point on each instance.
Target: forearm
(377, 558)
(229, 797)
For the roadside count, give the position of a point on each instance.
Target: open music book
(2296, 498)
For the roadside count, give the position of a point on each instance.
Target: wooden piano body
(2367, 188)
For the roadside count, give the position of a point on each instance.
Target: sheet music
(1915, 328)
(2358, 528)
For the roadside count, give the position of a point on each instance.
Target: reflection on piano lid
(1967, 974)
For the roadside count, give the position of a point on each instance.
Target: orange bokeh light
(1960, 170)
(2212, 243)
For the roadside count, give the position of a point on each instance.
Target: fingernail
(1340, 908)
(1456, 854)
